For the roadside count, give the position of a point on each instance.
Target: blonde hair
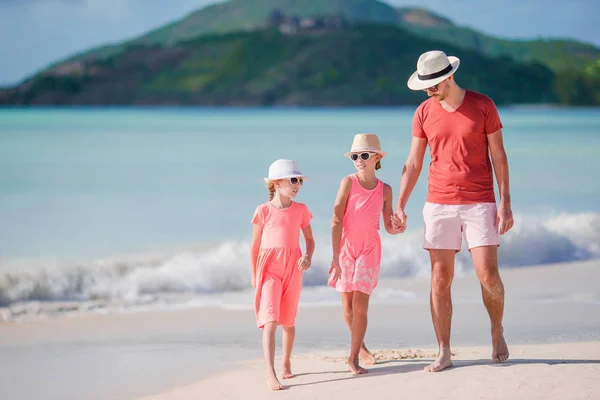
(271, 188)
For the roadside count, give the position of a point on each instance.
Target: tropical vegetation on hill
(310, 52)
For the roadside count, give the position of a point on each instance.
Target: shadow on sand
(406, 366)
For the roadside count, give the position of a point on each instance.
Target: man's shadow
(407, 366)
(520, 361)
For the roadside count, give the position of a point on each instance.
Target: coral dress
(360, 251)
(278, 279)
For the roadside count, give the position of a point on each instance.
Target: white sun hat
(432, 68)
(366, 142)
(283, 169)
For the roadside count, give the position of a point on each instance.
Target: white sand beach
(540, 371)
(552, 325)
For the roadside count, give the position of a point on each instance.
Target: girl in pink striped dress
(360, 201)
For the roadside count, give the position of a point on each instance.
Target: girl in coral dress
(277, 262)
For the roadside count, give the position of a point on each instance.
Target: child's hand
(398, 222)
(335, 268)
(304, 262)
(396, 226)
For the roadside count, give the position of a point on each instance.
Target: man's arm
(410, 175)
(500, 163)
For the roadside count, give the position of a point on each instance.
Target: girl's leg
(347, 308)
(360, 306)
(269, 352)
(365, 355)
(288, 335)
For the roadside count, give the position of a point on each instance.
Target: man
(461, 127)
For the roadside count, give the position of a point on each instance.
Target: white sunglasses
(364, 156)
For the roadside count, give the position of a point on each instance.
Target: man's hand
(399, 220)
(505, 219)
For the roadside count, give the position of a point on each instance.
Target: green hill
(360, 65)
(240, 15)
(217, 56)
(236, 15)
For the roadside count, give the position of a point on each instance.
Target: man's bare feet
(499, 347)
(366, 356)
(443, 361)
(355, 368)
(273, 382)
(287, 370)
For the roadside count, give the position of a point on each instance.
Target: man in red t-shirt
(463, 130)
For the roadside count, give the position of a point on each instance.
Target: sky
(35, 33)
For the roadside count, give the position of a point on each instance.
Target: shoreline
(399, 292)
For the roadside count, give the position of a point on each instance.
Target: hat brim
(381, 153)
(269, 180)
(414, 83)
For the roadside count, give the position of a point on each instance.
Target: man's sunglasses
(432, 89)
(295, 181)
(363, 156)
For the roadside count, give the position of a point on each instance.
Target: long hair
(271, 189)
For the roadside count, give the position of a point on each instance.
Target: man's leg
(442, 273)
(485, 259)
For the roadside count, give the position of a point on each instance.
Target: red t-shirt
(460, 171)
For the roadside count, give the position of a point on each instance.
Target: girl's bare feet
(355, 368)
(366, 356)
(287, 371)
(273, 382)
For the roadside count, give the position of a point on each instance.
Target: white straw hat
(283, 169)
(366, 142)
(432, 68)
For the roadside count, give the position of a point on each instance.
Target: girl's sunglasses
(295, 181)
(363, 156)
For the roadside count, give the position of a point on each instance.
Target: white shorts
(446, 224)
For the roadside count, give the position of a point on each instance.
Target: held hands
(399, 220)
(335, 268)
(304, 262)
(505, 219)
(396, 224)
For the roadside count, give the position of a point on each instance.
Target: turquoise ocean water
(120, 204)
